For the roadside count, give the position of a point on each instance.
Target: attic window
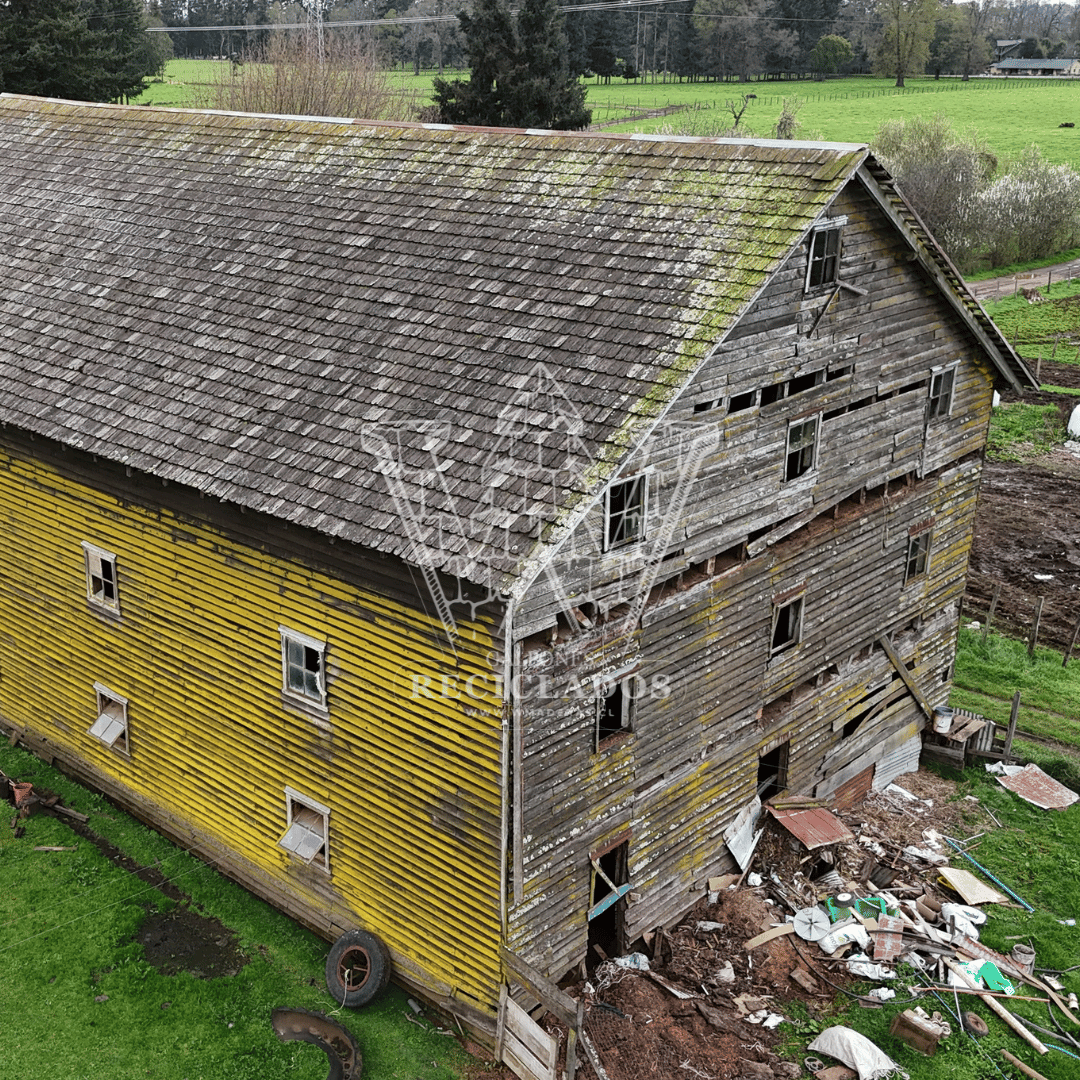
(625, 518)
(801, 448)
(742, 402)
(101, 588)
(111, 726)
(307, 834)
(823, 264)
(941, 392)
(303, 668)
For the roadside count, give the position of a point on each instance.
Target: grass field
(79, 1000)
(1010, 113)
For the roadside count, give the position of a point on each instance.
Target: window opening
(835, 373)
(303, 667)
(626, 511)
(769, 394)
(606, 915)
(111, 725)
(101, 588)
(773, 772)
(801, 448)
(805, 382)
(941, 392)
(824, 263)
(918, 555)
(615, 708)
(307, 830)
(787, 624)
(742, 402)
(705, 406)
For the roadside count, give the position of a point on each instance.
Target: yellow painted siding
(412, 782)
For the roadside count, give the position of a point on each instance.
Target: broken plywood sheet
(970, 887)
(1032, 784)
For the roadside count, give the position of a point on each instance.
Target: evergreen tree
(89, 50)
(519, 75)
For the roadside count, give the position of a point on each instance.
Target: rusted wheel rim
(354, 967)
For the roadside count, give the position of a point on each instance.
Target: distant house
(449, 532)
(1035, 67)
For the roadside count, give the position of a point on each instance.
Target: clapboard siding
(691, 762)
(893, 338)
(411, 780)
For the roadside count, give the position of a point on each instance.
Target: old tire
(974, 1023)
(357, 968)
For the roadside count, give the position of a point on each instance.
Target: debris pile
(839, 899)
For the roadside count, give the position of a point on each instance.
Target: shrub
(1031, 212)
(941, 173)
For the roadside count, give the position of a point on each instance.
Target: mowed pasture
(1011, 113)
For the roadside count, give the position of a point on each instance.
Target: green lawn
(1010, 113)
(68, 919)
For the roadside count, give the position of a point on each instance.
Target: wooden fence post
(1006, 750)
(990, 613)
(1035, 625)
(1072, 644)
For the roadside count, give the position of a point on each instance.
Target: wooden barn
(449, 532)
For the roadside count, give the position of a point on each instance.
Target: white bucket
(943, 717)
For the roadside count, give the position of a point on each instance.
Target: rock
(754, 1070)
(722, 1020)
(787, 1070)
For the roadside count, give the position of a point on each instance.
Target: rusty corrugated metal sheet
(1037, 787)
(813, 827)
(854, 791)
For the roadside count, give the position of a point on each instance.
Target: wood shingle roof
(267, 309)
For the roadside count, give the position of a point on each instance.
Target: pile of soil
(182, 940)
(1027, 540)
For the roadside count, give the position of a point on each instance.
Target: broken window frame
(620, 843)
(799, 444)
(795, 605)
(942, 391)
(303, 669)
(823, 264)
(110, 728)
(917, 563)
(306, 821)
(625, 684)
(101, 578)
(625, 525)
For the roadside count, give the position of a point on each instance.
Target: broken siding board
(186, 735)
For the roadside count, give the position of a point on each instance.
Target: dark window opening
(912, 387)
(772, 772)
(862, 403)
(801, 448)
(626, 511)
(839, 372)
(705, 406)
(787, 624)
(918, 555)
(610, 878)
(742, 402)
(824, 258)
(615, 709)
(304, 666)
(941, 392)
(733, 556)
(805, 382)
(832, 414)
(769, 394)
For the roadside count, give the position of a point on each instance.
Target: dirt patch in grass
(182, 940)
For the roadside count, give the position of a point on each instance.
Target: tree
(88, 50)
(829, 53)
(909, 27)
(519, 74)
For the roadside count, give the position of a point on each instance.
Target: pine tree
(519, 75)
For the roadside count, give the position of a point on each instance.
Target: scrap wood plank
(769, 935)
